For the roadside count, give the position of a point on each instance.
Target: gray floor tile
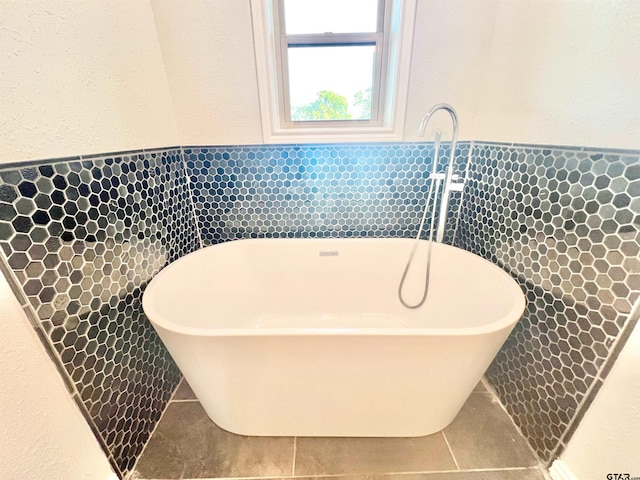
(528, 474)
(483, 436)
(184, 392)
(479, 388)
(520, 474)
(333, 456)
(187, 444)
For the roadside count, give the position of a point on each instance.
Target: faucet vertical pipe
(444, 200)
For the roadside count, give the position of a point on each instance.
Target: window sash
(333, 40)
(400, 15)
(379, 21)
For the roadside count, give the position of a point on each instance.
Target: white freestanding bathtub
(306, 337)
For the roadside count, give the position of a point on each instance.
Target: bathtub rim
(507, 321)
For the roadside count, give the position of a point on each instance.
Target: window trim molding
(391, 127)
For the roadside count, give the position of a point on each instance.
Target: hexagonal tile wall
(361, 190)
(82, 238)
(566, 224)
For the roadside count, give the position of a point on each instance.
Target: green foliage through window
(332, 106)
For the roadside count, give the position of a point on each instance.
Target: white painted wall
(210, 61)
(529, 71)
(209, 57)
(608, 438)
(451, 47)
(564, 72)
(80, 77)
(42, 432)
(104, 75)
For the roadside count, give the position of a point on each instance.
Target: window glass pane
(331, 83)
(335, 16)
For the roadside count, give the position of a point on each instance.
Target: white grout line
(175, 390)
(132, 473)
(489, 387)
(496, 399)
(190, 194)
(466, 180)
(295, 449)
(450, 450)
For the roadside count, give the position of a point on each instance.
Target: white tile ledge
(560, 471)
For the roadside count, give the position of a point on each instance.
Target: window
(332, 70)
(331, 56)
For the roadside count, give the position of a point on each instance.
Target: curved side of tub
(305, 380)
(333, 385)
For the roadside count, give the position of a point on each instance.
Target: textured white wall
(564, 72)
(608, 438)
(210, 61)
(451, 46)
(79, 77)
(88, 77)
(42, 432)
(530, 71)
(209, 57)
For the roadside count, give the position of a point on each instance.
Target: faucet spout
(447, 108)
(448, 174)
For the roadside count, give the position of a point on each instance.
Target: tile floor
(481, 444)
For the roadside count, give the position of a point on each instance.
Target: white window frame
(395, 61)
(376, 39)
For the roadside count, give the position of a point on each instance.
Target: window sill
(327, 135)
